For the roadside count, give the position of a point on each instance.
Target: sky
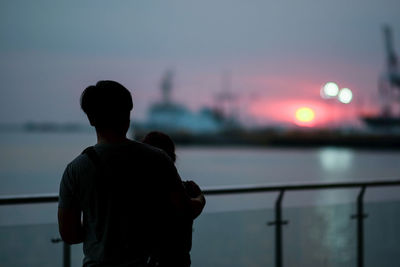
(278, 55)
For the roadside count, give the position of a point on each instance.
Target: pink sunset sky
(278, 54)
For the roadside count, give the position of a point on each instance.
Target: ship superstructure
(170, 116)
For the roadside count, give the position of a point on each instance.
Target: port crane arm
(392, 71)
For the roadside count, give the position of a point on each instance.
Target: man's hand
(192, 189)
(197, 198)
(198, 204)
(183, 202)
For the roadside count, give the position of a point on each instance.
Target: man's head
(108, 105)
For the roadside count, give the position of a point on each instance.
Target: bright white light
(335, 159)
(345, 95)
(329, 90)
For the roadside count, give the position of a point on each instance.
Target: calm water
(232, 231)
(34, 163)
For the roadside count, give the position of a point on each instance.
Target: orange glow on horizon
(304, 116)
(284, 111)
(279, 106)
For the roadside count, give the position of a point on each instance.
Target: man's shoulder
(148, 151)
(79, 162)
(133, 149)
(153, 156)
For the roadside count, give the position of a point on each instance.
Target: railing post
(360, 216)
(66, 252)
(66, 255)
(278, 230)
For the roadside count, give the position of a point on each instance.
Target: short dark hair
(161, 141)
(107, 104)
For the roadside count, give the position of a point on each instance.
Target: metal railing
(226, 190)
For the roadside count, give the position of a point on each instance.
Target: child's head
(161, 141)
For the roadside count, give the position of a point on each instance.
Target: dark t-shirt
(126, 205)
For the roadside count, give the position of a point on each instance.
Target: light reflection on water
(333, 231)
(336, 159)
(336, 239)
(336, 236)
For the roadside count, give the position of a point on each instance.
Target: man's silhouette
(123, 199)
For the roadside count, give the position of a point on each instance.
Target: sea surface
(233, 230)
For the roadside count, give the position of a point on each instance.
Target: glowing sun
(304, 116)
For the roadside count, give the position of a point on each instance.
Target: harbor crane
(389, 81)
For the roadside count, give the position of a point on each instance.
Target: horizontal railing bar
(222, 190)
(28, 199)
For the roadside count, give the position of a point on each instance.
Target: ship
(175, 119)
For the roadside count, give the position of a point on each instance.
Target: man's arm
(69, 212)
(69, 225)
